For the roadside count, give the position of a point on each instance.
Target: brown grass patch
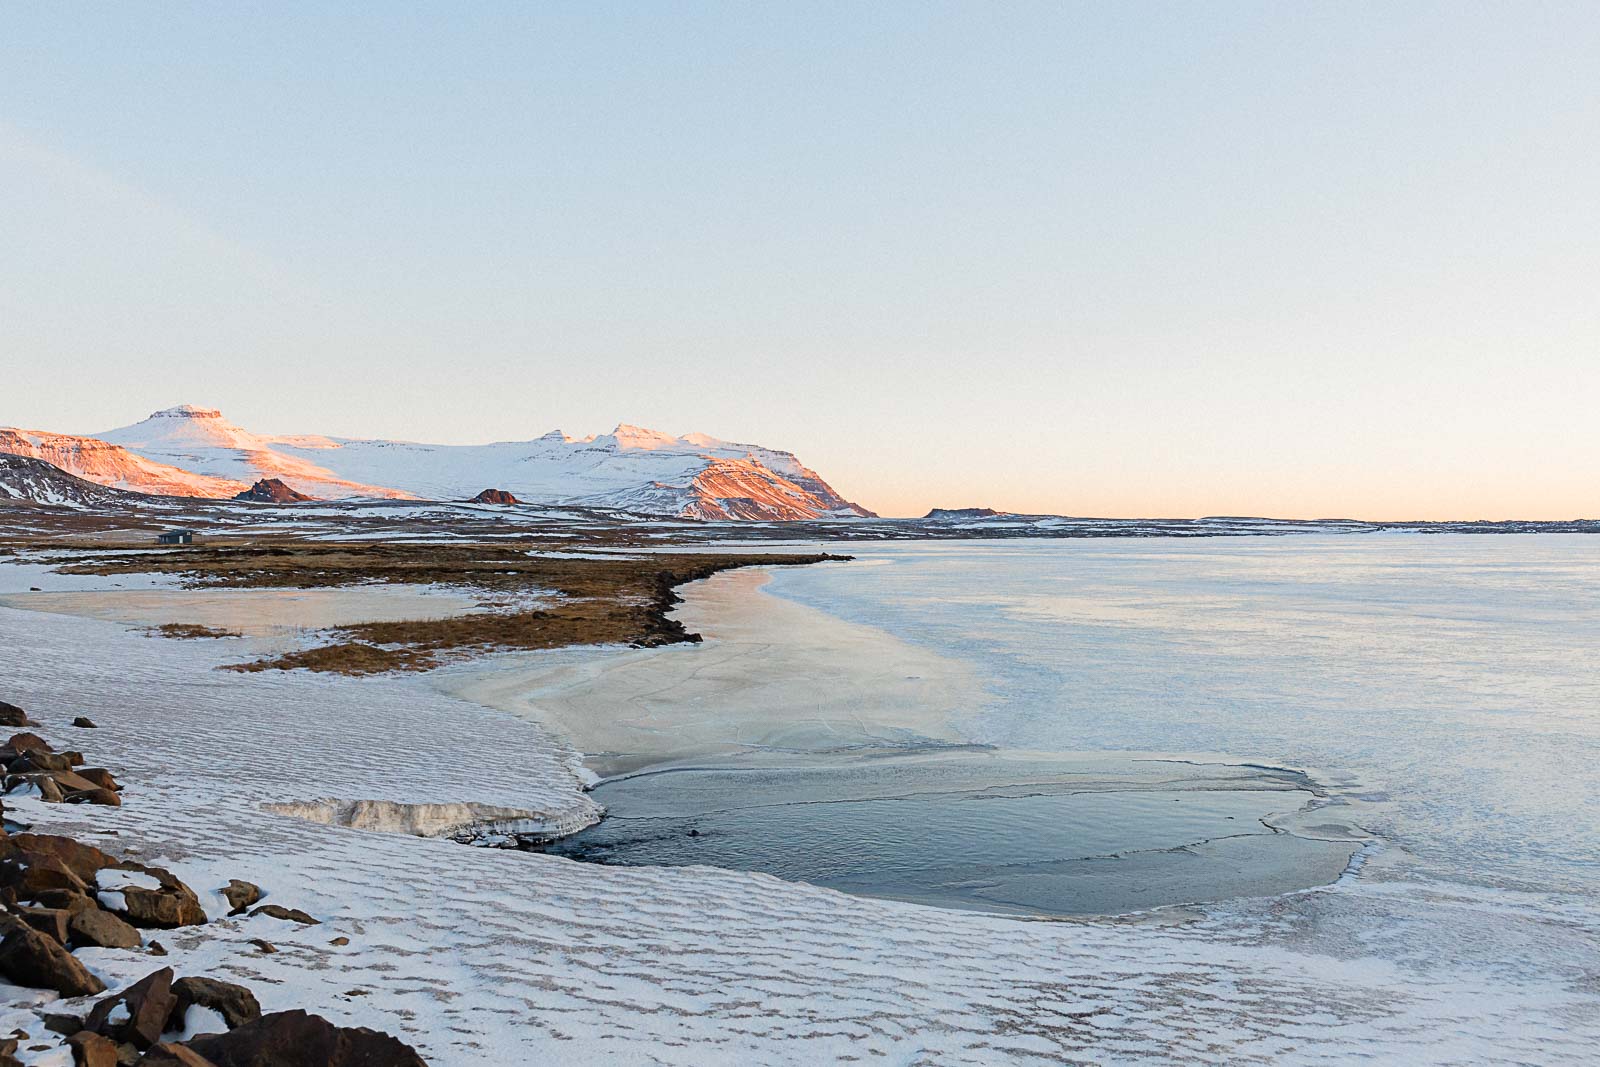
(189, 631)
(348, 657)
(580, 601)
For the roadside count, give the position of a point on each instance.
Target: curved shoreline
(750, 706)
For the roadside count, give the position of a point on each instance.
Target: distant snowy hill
(630, 468)
(107, 464)
(202, 441)
(25, 480)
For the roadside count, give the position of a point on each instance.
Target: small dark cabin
(175, 537)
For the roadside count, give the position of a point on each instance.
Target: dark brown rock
(26, 742)
(99, 776)
(236, 1004)
(61, 1023)
(89, 1049)
(296, 1039)
(293, 915)
(83, 860)
(33, 762)
(29, 876)
(11, 715)
(93, 926)
(105, 797)
(240, 895)
(170, 1055)
(84, 723)
(52, 922)
(31, 959)
(68, 900)
(271, 491)
(72, 782)
(267, 947)
(148, 1003)
(494, 496)
(174, 904)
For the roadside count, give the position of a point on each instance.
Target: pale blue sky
(1096, 258)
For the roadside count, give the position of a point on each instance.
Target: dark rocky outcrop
(58, 893)
(11, 715)
(32, 959)
(99, 928)
(236, 1004)
(169, 1055)
(174, 904)
(89, 1049)
(85, 861)
(52, 922)
(138, 1014)
(83, 722)
(30, 763)
(297, 1039)
(240, 895)
(271, 491)
(494, 496)
(293, 915)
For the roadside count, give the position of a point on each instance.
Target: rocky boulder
(89, 1049)
(169, 1055)
(138, 1014)
(11, 715)
(240, 895)
(29, 958)
(83, 860)
(236, 1004)
(494, 496)
(98, 928)
(271, 491)
(293, 915)
(297, 1039)
(172, 904)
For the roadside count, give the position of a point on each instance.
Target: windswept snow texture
(482, 956)
(630, 469)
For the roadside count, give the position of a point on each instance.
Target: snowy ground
(487, 956)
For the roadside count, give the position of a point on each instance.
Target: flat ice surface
(482, 956)
(997, 833)
(754, 686)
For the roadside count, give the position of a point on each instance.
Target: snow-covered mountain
(25, 480)
(630, 468)
(202, 441)
(107, 464)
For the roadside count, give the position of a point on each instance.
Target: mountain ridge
(195, 451)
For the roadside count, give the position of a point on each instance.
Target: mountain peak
(628, 436)
(187, 411)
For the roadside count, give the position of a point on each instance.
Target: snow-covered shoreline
(483, 955)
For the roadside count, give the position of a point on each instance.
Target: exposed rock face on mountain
(28, 481)
(630, 469)
(110, 465)
(962, 513)
(495, 496)
(271, 491)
